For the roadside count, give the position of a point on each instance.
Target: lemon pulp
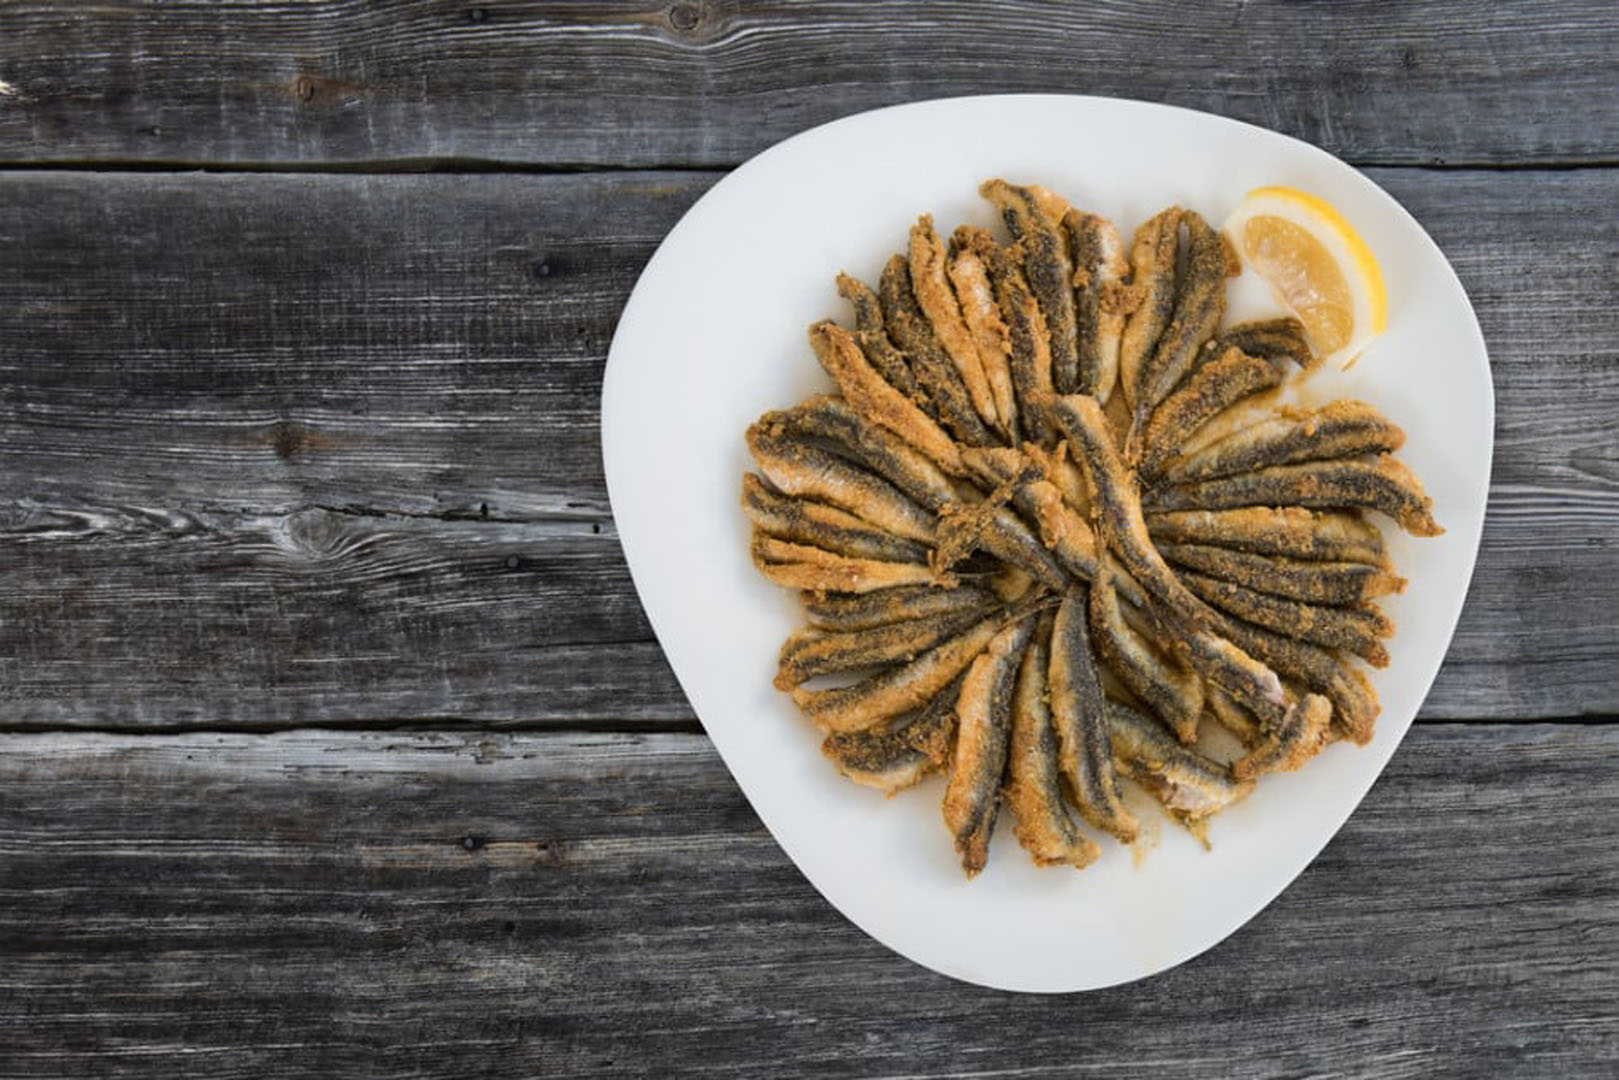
(1306, 276)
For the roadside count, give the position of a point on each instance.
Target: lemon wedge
(1316, 265)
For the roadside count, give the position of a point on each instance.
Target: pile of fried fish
(1055, 521)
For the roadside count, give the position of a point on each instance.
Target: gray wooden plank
(711, 83)
(280, 449)
(382, 904)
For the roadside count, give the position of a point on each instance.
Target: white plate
(714, 335)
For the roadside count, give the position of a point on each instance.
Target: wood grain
(698, 82)
(281, 450)
(564, 905)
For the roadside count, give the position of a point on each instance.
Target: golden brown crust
(971, 544)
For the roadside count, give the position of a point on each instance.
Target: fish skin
(872, 335)
(1102, 301)
(795, 467)
(1199, 306)
(1048, 271)
(1210, 390)
(1078, 715)
(909, 328)
(1341, 429)
(1171, 690)
(1291, 531)
(809, 653)
(1063, 532)
(1301, 735)
(842, 613)
(1188, 622)
(1153, 253)
(1007, 538)
(1296, 579)
(1354, 628)
(982, 313)
(1270, 339)
(1034, 785)
(805, 521)
(983, 728)
(1382, 484)
(876, 399)
(1030, 344)
(943, 312)
(833, 421)
(1355, 707)
(1233, 717)
(898, 690)
(1117, 506)
(799, 566)
(893, 759)
(1188, 784)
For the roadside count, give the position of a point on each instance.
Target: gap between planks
(457, 166)
(454, 725)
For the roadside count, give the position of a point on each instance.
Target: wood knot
(317, 91)
(685, 17)
(551, 852)
(472, 843)
(286, 439)
(477, 16)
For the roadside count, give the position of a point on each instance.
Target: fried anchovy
(982, 313)
(1271, 339)
(874, 398)
(1339, 430)
(1301, 735)
(809, 653)
(1050, 275)
(797, 468)
(874, 340)
(1211, 389)
(1233, 717)
(911, 331)
(839, 613)
(1199, 305)
(1215, 659)
(1030, 344)
(1101, 299)
(1355, 628)
(1061, 529)
(983, 727)
(807, 522)
(1117, 506)
(893, 759)
(1187, 783)
(1034, 787)
(799, 566)
(1172, 691)
(995, 529)
(1009, 539)
(1118, 510)
(1381, 484)
(1296, 579)
(938, 303)
(898, 690)
(844, 431)
(1354, 703)
(1077, 710)
(1063, 471)
(1288, 530)
(1153, 252)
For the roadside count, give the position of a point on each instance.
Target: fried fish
(1034, 788)
(983, 728)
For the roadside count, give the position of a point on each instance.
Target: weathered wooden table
(334, 739)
